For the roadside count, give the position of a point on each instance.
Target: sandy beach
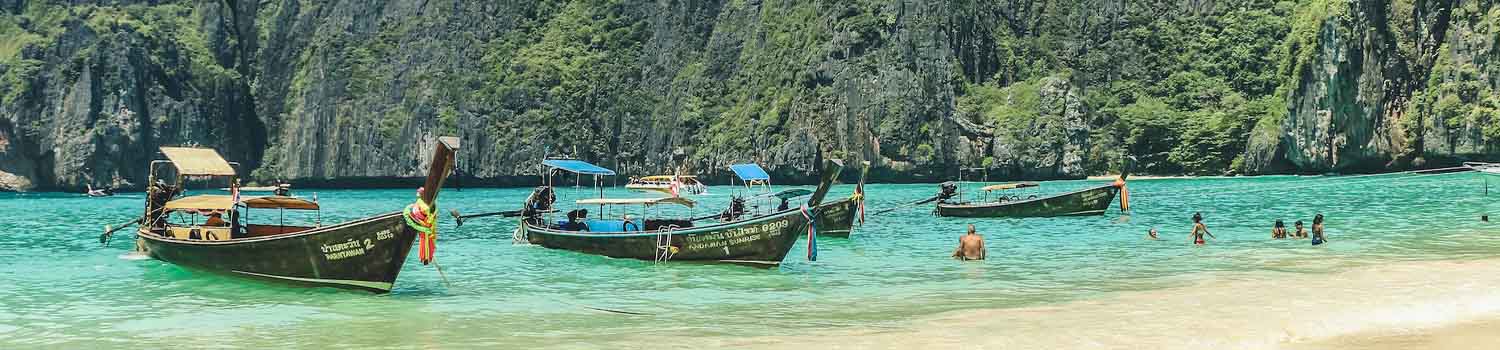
(1402, 305)
(1484, 334)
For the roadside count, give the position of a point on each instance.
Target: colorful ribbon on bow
(859, 199)
(812, 234)
(1124, 194)
(419, 217)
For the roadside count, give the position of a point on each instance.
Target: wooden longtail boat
(762, 240)
(1090, 201)
(837, 218)
(364, 254)
(674, 185)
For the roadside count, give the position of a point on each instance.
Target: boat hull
(1092, 201)
(361, 255)
(837, 218)
(762, 241)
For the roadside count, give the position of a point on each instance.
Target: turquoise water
(62, 289)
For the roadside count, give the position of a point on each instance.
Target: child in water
(1151, 234)
(1199, 229)
(1278, 231)
(1317, 230)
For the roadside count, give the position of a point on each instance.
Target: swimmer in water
(1317, 230)
(1151, 234)
(970, 246)
(1300, 233)
(1199, 229)
(1278, 231)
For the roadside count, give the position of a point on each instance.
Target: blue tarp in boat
(750, 172)
(577, 166)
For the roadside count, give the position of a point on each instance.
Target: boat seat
(611, 226)
(199, 233)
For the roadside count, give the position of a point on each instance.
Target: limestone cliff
(340, 92)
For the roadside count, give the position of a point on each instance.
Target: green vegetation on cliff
(328, 90)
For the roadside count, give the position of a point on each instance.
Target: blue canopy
(577, 166)
(750, 172)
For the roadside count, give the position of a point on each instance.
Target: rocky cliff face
(342, 91)
(90, 92)
(1391, 87)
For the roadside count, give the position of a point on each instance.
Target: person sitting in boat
(575, 220)
(970, 246)
(215, 219)
(1317, 230)
(1199, 229)
(1299, 233)
(784, 205)
(1278, 230)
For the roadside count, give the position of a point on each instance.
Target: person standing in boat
(1199, 229)
(970, 246)
(1300, 233)
(1278, 231)
(1317, 230)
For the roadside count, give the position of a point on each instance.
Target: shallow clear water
(62, 289)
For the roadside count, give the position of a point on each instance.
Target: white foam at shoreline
(1264, 312)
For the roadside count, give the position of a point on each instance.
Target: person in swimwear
(970, 246)
(1300, 233)
(1199, 229)
(1317, 230)
(1278, 231)
(1151, 234)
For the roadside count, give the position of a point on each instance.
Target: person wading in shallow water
(1199, 229)
(1317, 230)
(970, 246)
(1278, 231)
(1300, 233)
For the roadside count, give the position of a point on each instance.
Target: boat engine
(539, 202)
(735, 211)
(949, 190)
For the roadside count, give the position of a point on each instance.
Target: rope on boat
(518, 236)
(613, 311)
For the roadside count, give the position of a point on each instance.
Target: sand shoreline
(1450, 304)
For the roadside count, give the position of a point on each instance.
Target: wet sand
(1401, 305)
(1468, 335)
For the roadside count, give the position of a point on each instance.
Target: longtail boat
(364, 254)
(1089, 201)
(837, 218)
(674, 185)
(760, 240)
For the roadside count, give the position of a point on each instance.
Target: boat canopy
(577, 167)
(750, 172)
(201, 202)
(198, 161)
(790, 193)
(638, 201)
(1009, 186)
(280, 202)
